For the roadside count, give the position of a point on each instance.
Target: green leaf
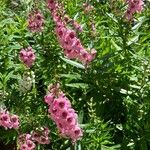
(81, 115)
(112, 17)
(135, 86)
(138, 25)
(133, 40)
(75, 17)
(119, 126)
(71, 76)
(78, 85)
(123, 91)
(103, 147)
(73, 63)
(115, 45)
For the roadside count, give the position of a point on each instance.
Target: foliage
(111, 95)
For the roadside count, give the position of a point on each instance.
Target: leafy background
(111, 96)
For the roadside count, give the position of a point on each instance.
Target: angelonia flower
(35, 21)
(76, 26)
(74, 23)
(25, 142)
(29, 141)
(61, 112)
(134, 6)
(27, 56)
(7, 120)
(41, 136)
(71, 44)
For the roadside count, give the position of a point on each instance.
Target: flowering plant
(74, 74)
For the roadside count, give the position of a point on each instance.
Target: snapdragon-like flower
(25, 142)
(63, 114)
(52, 5)
(14, 121)
(72, 46)
(75, 24)
(35, 21)
(134, 6)
(67, 37)
(29, 141)
(27, 56)
(8, 121)
(41, 136)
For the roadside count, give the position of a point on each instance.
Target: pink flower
(76, 133)
(46, 131)
(61, 103)
(67, 38)
(24, 147)
(5, 120)
(14, 121)
(35, 21)
(77, 26)
(49, 99)
(8, 121)
(44, 140)
(52, 5)
(71, 122)
(41, 137)
(64, 115)
(134, 6)
(28, 137)
(22, 53)
(35, 136)
(25, 142)
(27, 56)
(30, 145)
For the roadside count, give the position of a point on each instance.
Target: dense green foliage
(111, 95)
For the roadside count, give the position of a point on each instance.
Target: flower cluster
(133, 7)
(67, 37)
(41, 136)
(27, 141)
(63, 114)
(27, 56)
(8, 121)
(35, 21)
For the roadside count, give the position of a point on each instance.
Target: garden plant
(74, 74)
